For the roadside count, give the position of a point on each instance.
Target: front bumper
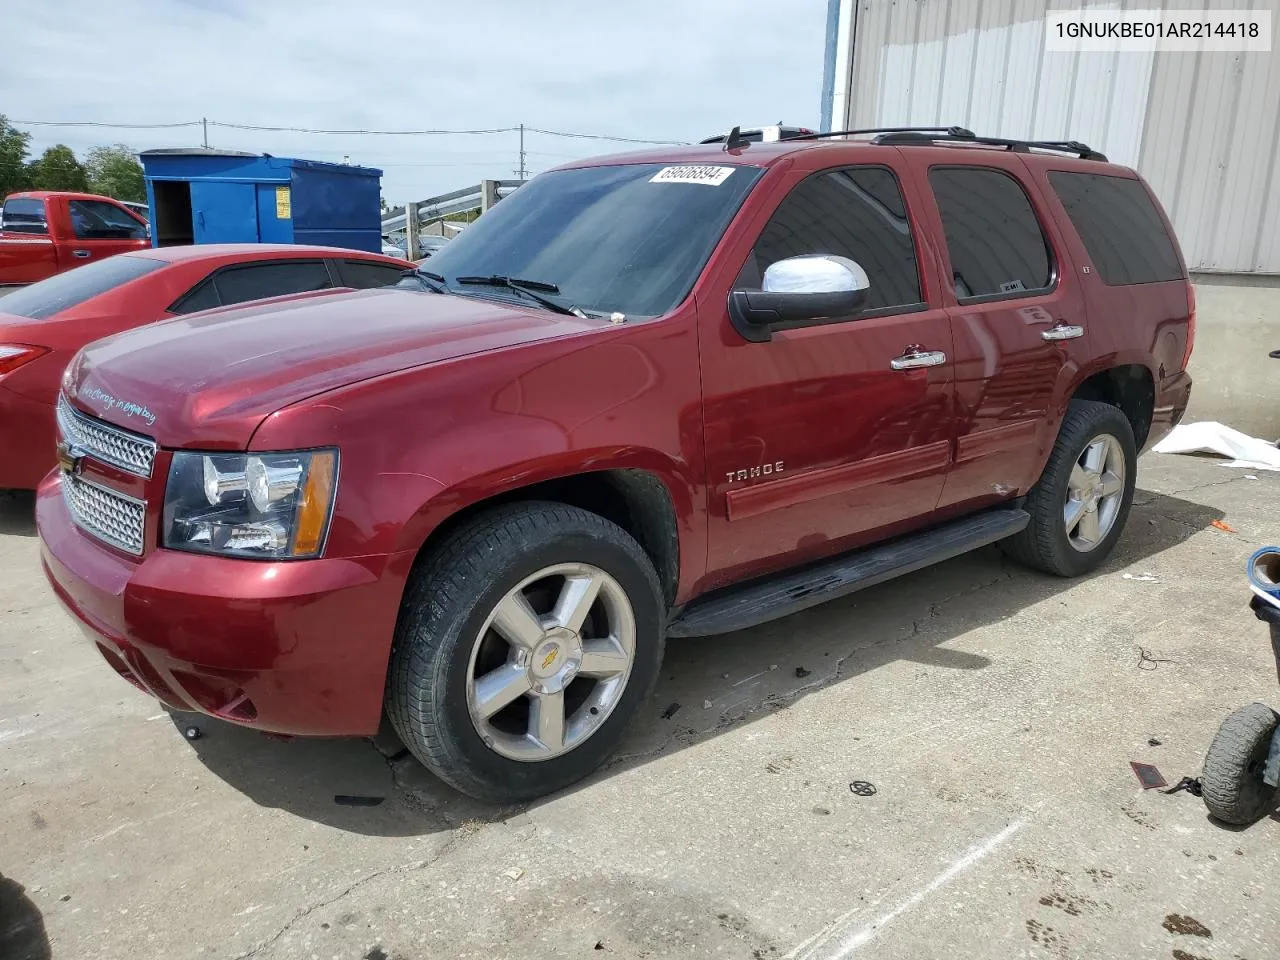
(293, 647)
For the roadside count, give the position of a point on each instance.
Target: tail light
(1191, 323)
(15, 355)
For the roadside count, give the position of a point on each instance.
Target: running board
(758, 601)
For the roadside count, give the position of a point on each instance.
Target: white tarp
(1213, 437)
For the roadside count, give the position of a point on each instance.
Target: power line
(363, 132)
(601, 136)
(113, 126)
(427, 132)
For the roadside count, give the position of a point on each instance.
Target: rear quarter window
(1119, 226)
(24, 216)
(66, 290)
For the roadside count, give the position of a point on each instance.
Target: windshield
(629, 239)
(63, 291)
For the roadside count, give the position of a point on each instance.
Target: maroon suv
(669, 393)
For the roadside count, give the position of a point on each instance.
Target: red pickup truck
(670, 393)
(43, 233)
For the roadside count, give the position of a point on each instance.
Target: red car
(670, 393)
(43, 325)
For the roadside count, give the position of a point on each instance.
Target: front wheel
(1080, 503)
(527, 641)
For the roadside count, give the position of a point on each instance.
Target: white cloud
(662, 69)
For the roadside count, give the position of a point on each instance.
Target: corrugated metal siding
(1204, 129)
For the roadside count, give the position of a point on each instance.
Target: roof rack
(958, 135)
(947, 131)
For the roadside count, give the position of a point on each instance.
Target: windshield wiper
(530, 288)
(423, 276)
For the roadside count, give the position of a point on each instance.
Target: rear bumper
(27, 440)
(297, 647)
(1172, 396)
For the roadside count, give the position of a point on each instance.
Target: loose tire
(1080, 503)
(1232, 784)
(529, 609)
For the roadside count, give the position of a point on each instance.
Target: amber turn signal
(313, 510)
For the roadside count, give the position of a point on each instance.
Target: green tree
(58, 169)
(13, 158)
(115, 172)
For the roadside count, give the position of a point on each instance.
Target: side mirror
(799, 291)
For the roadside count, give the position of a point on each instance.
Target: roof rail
(947, 131)
(916, 137)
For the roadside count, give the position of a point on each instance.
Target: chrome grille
(108, 515)
(120, 448)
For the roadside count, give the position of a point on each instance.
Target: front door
(817, 440)
(102, 230)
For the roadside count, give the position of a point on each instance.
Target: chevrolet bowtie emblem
(68, 457)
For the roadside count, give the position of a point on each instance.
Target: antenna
(735, 139)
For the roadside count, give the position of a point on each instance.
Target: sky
(649, 69)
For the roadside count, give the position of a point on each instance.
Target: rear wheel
(1080, 503)
(1232, 785)
(526, 642)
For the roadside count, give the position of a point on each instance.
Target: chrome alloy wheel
(1095, 491)
(551, 662)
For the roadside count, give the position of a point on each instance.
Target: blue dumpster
(223, 196)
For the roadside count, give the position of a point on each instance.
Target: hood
(210, 380)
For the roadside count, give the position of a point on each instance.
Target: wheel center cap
(555, 660)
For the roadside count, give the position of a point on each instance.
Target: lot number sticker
(707, 176)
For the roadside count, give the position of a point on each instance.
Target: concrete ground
(995, 711)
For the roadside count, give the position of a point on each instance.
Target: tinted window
(274, 279)
(24, 216)
(66, 290)
(856, 213)
(612, 237)
(993, 236)
(361, 274)
(1120, 227)
(95, 220)
(203, 297)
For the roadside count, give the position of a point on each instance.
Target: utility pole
(521, 171)
(204, 122)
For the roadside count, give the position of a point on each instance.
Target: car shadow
(18, 512)
(708, 685)
(22, 933)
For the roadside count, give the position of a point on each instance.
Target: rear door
(102, 230)
(1011, 293)
(816, 440)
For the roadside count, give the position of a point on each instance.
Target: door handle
(1063, 331)
(82, 254)
(918, 358)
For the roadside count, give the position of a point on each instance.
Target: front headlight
(270, 506)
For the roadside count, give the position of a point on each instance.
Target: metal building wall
(1203, 128)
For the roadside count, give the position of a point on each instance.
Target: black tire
(1233, 788)
(446, 603)
(1043, 544)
